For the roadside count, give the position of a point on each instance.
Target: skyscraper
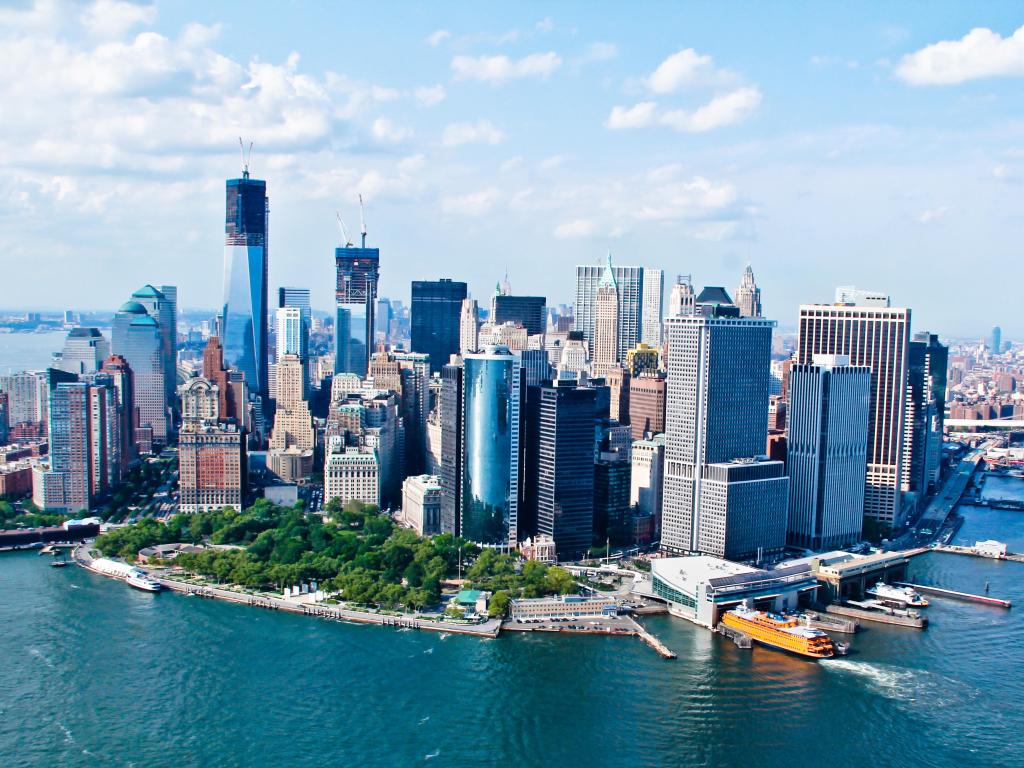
(681, 299)
(436, 319)
(138, 338)
(559, 476)
(212, 466)
(85, 349)
(243, 320)
(827, 451)
(629, 283)
(358, 271)
(873, 335)
(291, 444)
(121, 377)
(292, 332)
(927, 361)
(720, 498)
(452, 456)
(653, 297)
(492, 387)
(604, 351)
(995, 343)
(469, 330)
(527, 311)
(414, 373)
(748, 295)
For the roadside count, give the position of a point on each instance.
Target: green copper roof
(132, 308)
(608, 278)
(147, 292)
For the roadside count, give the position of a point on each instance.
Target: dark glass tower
(436, 305)
(356, 295)
(244, 317)
(528, 311)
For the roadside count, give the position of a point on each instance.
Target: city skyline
(739, 159)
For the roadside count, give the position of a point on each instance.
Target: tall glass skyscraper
(435, 316)
(491, 474)
(244, 316)
(137, 337)
(356, 295)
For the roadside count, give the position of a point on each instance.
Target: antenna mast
(362, 221)
(345, 242)
(246, 157)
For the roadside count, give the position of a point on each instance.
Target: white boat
(142, 580)
(901, 595)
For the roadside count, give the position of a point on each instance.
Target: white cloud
(437, 37)
(575, 228)
(113, 18)
(978, 54)
(474, 204)
(545, 25)
(601, 52)
(550, 163)
(723, 110)
(430, 95)
(480, 132)
(681, 69)
(496, 70)
(386, 131)
(933, 214)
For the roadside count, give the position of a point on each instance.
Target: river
(98, 674)
(30, 351)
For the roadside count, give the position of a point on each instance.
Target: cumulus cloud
(430, 95)
(437, 37)
(113, 18)
(496, 70)
(681, 69)
(979, 54)
(473, 204)
(726, 109)
(480, 132)
(933, 214)
(575, 228)
(387, 131)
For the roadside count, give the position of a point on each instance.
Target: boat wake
(39, 655)
(68, 737)
(445, 635)
(424, 719)
(891, 682)
(429, 650)
(432, 755)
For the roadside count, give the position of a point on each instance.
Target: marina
(953, 594)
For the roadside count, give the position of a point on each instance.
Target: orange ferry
(783, 632)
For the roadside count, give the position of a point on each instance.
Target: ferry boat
(783, 632)
(142, 580)
(901, 595)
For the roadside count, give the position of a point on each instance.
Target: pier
(924, 589)
(914, 622)
(741, 639)
(953, 549)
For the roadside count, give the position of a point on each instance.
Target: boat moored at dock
(777, 631)
(903, 595)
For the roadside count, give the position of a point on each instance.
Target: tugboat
(902, 595)
(783, 632)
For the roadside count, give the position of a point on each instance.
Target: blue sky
(874, 144)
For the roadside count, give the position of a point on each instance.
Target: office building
(851, 294)
(492, 396)
(530, 312)
(85, 349)
(26, 398)
(646, 405)
(652, 314)
(212, 466)
(162, 305)
(358, 272)
(995, 343)
(877, 336)
(231, 391)
(642, 359)
(243, 320)
(611, 490)
(352, 473)
(292, 441)
(827, 452)
(121, 377)
(139, 339)
(414, 372)
(536, 366)
(436, 315)
(682, 298)
(748, 295)
(629, 284)
(719, 497)
(421, 504)
(5, 425)
(200, 400)
(646, 471)
(468, 327)
(298, 298)
(927, 362)
(292, 333)
(452, 455)
(605, 347)
(559, 472)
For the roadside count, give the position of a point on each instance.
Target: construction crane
(246, 157)
(362, 221)
(346, 243)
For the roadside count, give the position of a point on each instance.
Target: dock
(663, 650)
(925, 589)
(953, 549)
(741, 639)
(823, 621)
(914, 622)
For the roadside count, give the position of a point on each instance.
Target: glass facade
(435, 314)
(490, 481)
(244, 316)
(351, 351)
(358, 270)
(137, 338)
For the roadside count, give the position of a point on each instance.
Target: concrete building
(827, 452)
(700, 589)
(748, 295)
(212, 466)
(629, 283)
(646, 473)
(681, 298)
(652, 314)
(352, 473)
(605, 346)
(927, 362)
(642, 360)
(452, 418)
(293, 438)
(421, 504)
(469, 327)
(647, 405)
(719, 497)
(200, 399)
(85, 349)
(875, 335)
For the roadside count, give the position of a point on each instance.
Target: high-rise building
(528, 311)
(469, 328)
(421, 504)
(26, 397)
(748, 295)
(681, 299)
(492, 387)
(293, 438)
(436, 319)
(995, 343)
(646, 405)
(452, 456)
(873, 335)
(85, 349)
(648, 462)
(296, 297)
(200, 400)
(559, 472)
(653, 298)
(720, 496)
(121, 377)
(212, 466)
(352, 473)
(358, 272)
(642, 360)
(243, 320)
(5, 424)
(927, 361)
(414, 370)
(139, 338)
(232, 394)
(604, 351)
(292, 332)
(827, 451)
(629, 283)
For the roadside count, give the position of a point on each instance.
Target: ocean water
(98, 674)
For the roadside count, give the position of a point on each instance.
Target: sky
(875, 144)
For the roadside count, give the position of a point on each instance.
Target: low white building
(990, 548)
(564, 607)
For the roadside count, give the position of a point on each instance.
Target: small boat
(58, 563)
(902, 595)
(142, 580)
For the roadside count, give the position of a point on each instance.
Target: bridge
(990, 423)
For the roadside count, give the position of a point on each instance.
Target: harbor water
(98, 674)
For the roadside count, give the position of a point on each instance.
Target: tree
(498, 606)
